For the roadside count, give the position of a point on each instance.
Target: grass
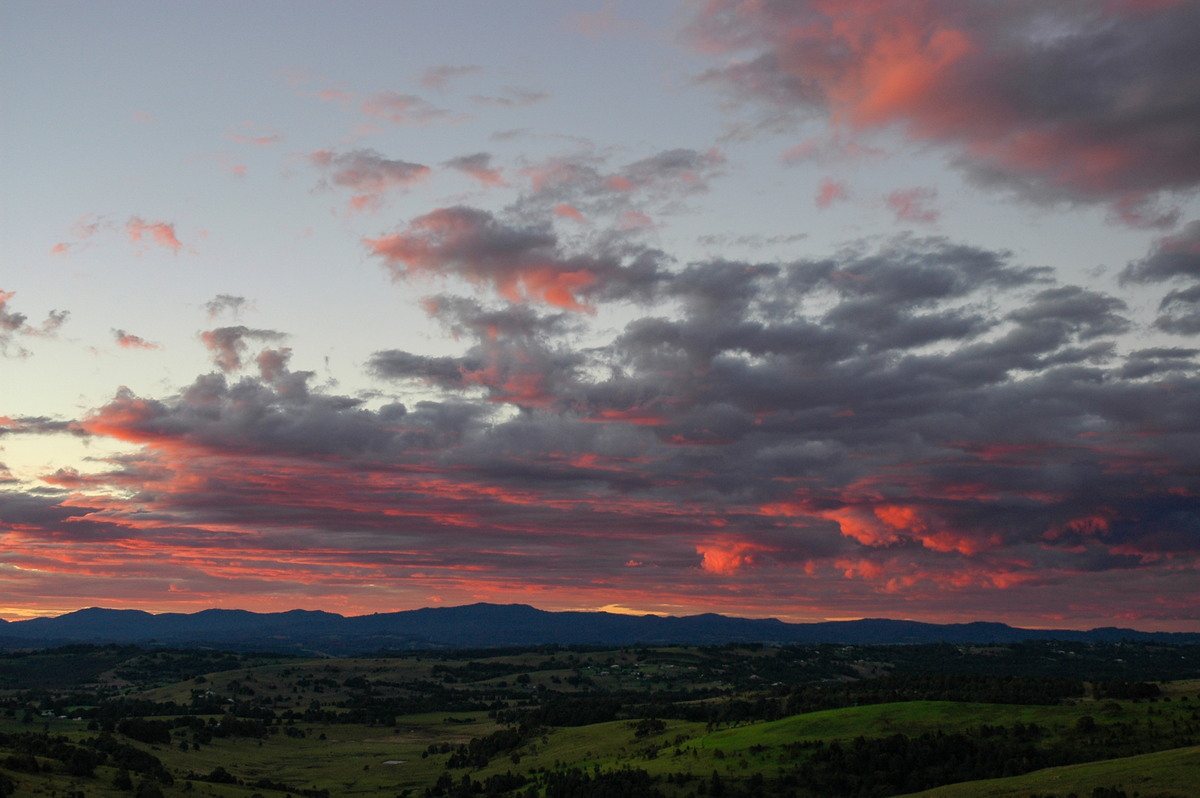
(880, 720)
(1166, 774)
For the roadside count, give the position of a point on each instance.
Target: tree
(148, 789)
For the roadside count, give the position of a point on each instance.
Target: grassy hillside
(1167, 774)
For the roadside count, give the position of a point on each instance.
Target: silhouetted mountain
(496, 625)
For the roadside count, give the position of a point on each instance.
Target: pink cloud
(161, 233)
(831, 191)
(636, 220)
(567, 212)
(129, 341)
(913, 205)
(407, 109)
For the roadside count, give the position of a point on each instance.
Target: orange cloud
(727, 556)
(862, 525)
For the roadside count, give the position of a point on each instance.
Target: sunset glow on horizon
(812, 310)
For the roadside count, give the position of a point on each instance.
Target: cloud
(1180, 312)
(407, 109)
(518, 262)
(605, 22)
(513, 97)
(129, 341)
(228, 344)
(726, 557)
(478, 166)
(912, 205)
(751, 240)
(438, 77)
(831, 191)
(462, 316)
(908, 419)
(251, 135)
(587, 183)
(161, 233)
(11, 322)
(14, 324)
(673, 170)
(368, 174)
(84, 228)
(225, 303)
(567, 212)
(1134, 210)
(1072, 101)
(1173, 259)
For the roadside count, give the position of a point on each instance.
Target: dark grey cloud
(467, 316)
(1176, 256)
(1175, 259)
(1180, 312)
(1087, 314)
(447, 372)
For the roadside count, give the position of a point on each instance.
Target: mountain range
(503, 625)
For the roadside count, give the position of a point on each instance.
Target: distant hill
(502, 625)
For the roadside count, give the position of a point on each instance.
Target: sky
(818, 309)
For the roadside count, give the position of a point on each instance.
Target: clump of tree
(480, 750)
(1130, 691)
(576, 783)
